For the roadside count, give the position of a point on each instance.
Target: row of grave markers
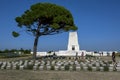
(87, 65)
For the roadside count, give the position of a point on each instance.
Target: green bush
(9, 55)
(88, 56)
(109, 62)
(30, 67)
(117, 54)
(1, 64)
(89, 68)
(52, 68)
(74, 67)
(81, 67)
(106, 68)
(94, 65)
(98, 69)
(17, 67)
(67, 67)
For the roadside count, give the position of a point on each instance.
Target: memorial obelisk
(73, 42)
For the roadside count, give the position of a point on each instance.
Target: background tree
(45, 19)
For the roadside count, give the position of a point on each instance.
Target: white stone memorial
(73, 49)
(73, 42)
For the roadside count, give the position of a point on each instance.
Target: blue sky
(98, 23)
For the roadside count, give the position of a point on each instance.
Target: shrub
(117, 54)
(94, 65)
(81, 67)
(52, 68)
(17, 67)
(110, 62)
(74, 67)
(100, 65)
(98, 69)
(30, 67)
(66, 67)
(1, 64)
(106, 68)
(9, 55)
(89, 68)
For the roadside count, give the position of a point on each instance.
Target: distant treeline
(22, 51)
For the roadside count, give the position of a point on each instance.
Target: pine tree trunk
(35, 47)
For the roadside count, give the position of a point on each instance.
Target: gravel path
(57, 75)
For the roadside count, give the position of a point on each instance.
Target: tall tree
(45, 19)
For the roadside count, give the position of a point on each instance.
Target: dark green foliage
(89, 68)
(117, 54)
(81, 67)
(50, 18)
(1, 64)
(67, 67)
(100, 65)
(14, 53)
(17, 67)
(74, 67)
(52, 68)
(106, 68)
(109, 62)
(94, 65)
(25, 51)
(98, 69)
(9, 55)
(30, 67)
(6, 51)
(15, 34)
(89, 56)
